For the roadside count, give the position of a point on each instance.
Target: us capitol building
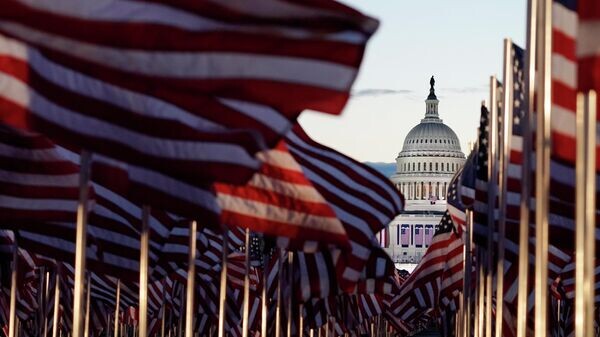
(430, 155)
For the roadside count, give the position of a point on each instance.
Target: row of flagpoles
(540, 185)
(153, 162)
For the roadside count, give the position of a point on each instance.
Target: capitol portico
(430, 156)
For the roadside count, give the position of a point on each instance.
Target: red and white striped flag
(363, 200)
(281, 201)
(183, 95)
(437, 277)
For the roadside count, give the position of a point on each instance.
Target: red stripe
(563, 44)
(160, 37)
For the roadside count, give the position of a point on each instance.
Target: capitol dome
(430, 155)
(429, 137)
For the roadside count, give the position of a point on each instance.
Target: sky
(459, 42)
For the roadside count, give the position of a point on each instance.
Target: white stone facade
(430, 156)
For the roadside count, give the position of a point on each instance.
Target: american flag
(429, 232)
(438, 276)
(190, 95)
(405, 235)
(281, 201)
(419, 235)
(363, 200)
(455, 206)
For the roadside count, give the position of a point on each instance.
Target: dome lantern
(431, 103)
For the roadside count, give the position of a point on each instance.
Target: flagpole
(163, 309)
(56, 303)
(300, 320)
(223, 286)
(525, 204)
(144, 243)
(542, 167)
(481, 287)
(590, 210)
(290, 297)
(507, 110)
(585, 214)
(492, 185)
(191, 282)
(86, 331)
(45, 320)
(13, 290)
(279, 295)
(80, 244)
(246, 303)
(41, 298)
(263, 300)
(117, 304)
(467, 275)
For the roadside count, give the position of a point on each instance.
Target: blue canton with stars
(519, 113)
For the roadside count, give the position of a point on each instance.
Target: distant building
(429, 158)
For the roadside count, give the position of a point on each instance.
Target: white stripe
(279, 158)
(298, 192)
(563, 120)
(564, 19)
(196, 65)
(272, 212)
(261, 113)
(31, 204)
(40, 180)
(564, 70)
(588, 43)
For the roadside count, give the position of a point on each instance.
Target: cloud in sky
(379, 92)
(465, 90)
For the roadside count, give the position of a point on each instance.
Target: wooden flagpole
(585, 214)
(80, 245)
(290, 295)
(41, 300)
(279, 294)
(246, 303)
(163, 308)
(590, 209)
(13, 291)
(467, 275)
(191, 282)
(300, 320)
(491, 189)
(264, 300)
(143, 299)
(525, 206)
(117, 305)
(55, 324)
(507, 120)
(46, 299)
(223, 286)
(86, 331)
(542, 167)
